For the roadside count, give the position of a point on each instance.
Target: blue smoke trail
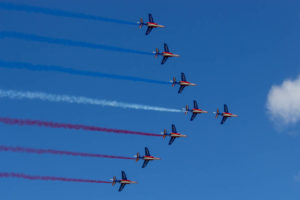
(66, 42)
(33, 67)
(59, 13)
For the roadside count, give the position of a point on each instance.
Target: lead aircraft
(196, 110)
(151, 24)
(225, 114)
(183, 83)
(124, 181)
(166, 54)
(173, 134)
(147, 157)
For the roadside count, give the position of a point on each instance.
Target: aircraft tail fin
(141, 23)
(114, 180)
(217, 113)
(137, 156)
(186, 109)
(165, 133)
(174, 82)
(156, 52)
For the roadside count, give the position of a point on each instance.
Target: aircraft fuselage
(198, 111)
(224, 114)
(169, 54)
(154, 25)
(177, 135)
(127, 181)
(150, 158)
(185, 83)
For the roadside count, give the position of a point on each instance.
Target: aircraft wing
(124, 176)
(183, 77)
(164, 60)
(174, 128)
(150, 18)
(145, 163)
(226, 108)
(181, 88)
(172, 140)
(166, 47)
(149, 29)
(147, 152)
(121, 187)
(193, 116)
(195, 104)
(223, 120)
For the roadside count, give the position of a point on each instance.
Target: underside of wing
(195, 104)
(226, 108)
(147, 152)
(145, 163)
(164, 60)
(193, 116)
(223, 120)
(183, 78)
(149, 29)
(181, 88)
(171, 140)
(166, 47)
(124, 175)
(174, 128)
(121, 187)
(150, 18)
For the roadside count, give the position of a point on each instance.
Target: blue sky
(234, 51)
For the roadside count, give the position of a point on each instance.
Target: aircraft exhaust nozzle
(137, 156)
(174, 81)
(114, 180)
(141, 23)
(186, 109)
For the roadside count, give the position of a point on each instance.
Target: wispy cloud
(283, 102)
(297, 177)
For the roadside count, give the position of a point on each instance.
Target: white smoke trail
(13, 94)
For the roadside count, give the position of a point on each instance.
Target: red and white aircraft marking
(183, 83)
(124, 181)
(174, 134)
(195, 110)
(151, 24)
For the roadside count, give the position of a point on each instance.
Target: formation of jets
(182, 84)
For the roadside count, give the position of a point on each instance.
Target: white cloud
(297, 177)
(283, 102)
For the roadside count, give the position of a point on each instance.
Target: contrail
(14, 94)
(66, 42)
(47, 178)
(59, 152)
(27, 122)
(33, 67)
(59, 13)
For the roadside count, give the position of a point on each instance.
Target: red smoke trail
(58, 152)
(48, 178)
(13, 121)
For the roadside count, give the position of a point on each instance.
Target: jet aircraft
(151, 24)
(225, 114)
(147, 157)
(173, 134)
(124, 181)
(195, 110)
(183, 83)
(166, 53)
